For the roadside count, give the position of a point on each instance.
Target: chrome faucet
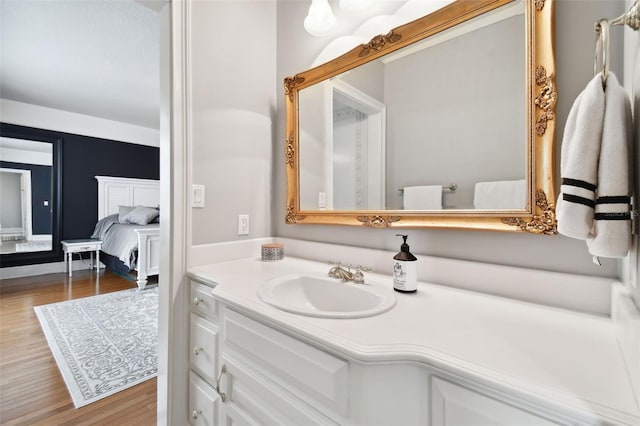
(346, 275)
(339, 272)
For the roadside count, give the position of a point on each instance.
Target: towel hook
(630, 18)
(601, 59)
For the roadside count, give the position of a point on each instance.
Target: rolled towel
(427, 197)
(612, 230)
(579, 162)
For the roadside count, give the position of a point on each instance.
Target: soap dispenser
(405, 276)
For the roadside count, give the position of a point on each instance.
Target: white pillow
(123, 211)
(140, 215)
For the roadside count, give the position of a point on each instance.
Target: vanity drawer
(253, 399)
(202, 302)
(307, 372)
(203, 349)
(203, 402)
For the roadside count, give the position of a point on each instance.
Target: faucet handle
(364, 268)
(333, 272)
(358, 276)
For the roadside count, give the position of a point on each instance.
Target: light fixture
(355, 6)
(320, 20)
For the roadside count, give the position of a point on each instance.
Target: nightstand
(80, 246)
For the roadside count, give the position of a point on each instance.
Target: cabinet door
(203, 402)
(250, 398)
(454, 405)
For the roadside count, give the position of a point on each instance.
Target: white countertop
(550, 354)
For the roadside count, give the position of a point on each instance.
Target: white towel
(612, 230)
(579, 162)
(427, 197)
(502, 194)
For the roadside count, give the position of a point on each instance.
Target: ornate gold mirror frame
(539, 215)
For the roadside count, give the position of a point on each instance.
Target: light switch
(198, 196)
(46, 203)
(322, 200)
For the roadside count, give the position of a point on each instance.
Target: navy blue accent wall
(41, 191)
(83, 158)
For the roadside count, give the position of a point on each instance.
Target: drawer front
(308, 372)
(92, 247)
(202, 302)
(452, 404)
(204, 345)
(203, 402)
(251, 399)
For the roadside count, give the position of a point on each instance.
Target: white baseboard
(41, 269)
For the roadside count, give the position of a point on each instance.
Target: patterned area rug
(103, 344)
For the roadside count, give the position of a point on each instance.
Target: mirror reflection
(438, 125)
(26, 185)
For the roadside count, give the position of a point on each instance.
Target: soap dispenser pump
(405, 276)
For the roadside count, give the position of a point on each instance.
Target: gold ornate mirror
(447, 121)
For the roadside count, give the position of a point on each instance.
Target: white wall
(26, 156)
(575, 19)
(470, 97)
(11, 205)
(23, 114)
(233, 107)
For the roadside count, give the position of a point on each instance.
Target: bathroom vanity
(441, 356)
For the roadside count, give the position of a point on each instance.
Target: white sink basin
(319, 296)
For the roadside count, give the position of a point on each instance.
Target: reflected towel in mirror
(502, 194)
(426, 197)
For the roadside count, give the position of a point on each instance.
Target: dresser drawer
(307, 372)
(204, 345)
(202, 302)
(203, 402)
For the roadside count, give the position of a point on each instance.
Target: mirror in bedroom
(30, 211)
(446, 121)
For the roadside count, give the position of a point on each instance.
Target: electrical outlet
(243, 224)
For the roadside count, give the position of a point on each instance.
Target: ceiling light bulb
(320, 20)
(355, 5)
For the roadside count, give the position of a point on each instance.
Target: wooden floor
(32, 391)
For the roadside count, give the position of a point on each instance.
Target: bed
(126, 246)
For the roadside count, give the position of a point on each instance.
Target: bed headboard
(118, 191)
